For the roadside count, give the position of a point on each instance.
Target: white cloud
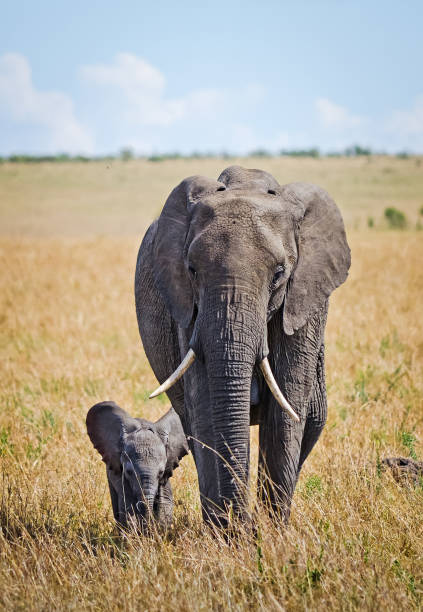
(141, 89)
(402, 129)
(293, 140)
(126, 103)
(394, 131)
(407, 122)
(336, 116)
(52, 111)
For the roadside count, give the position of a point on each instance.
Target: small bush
(126, 154)
(395, 218)
(370, 222)
(357, 151)
(409, 440)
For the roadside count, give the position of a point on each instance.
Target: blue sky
(93, 77)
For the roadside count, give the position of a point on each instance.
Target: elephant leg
(201, 443)
(285, 445)
(280, 444)
(200, 432)
(163, 505)
(297, 362)
(317, 412)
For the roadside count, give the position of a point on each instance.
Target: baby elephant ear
(106, 426)
(170, 274)
(323, 258)
(169, 428)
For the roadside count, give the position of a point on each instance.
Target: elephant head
(140, 457)
(227, 256)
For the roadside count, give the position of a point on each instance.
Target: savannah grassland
(69, 338)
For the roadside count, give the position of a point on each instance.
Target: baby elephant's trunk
(149, 492)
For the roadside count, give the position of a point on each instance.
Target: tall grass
(69, 339)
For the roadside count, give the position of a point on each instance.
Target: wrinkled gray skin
(238, 269)
(140, 457)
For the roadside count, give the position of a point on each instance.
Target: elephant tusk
(276, 392)
(178, 373)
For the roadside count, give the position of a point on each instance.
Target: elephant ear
(323, 258)
(169, 428)
(170, 274)
(107, 424)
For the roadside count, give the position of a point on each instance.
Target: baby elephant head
(140, 457)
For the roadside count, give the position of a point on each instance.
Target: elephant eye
(271, 191)
(192, 271)
(280, 271)
(129, 472)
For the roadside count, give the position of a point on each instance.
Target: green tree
(395, 218)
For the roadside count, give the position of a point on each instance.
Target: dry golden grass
(121, 198)
(69, 339)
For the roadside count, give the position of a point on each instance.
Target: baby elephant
(140, 457)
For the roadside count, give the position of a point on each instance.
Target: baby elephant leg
(163, 506)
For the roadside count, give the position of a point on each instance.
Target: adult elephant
(233, 280)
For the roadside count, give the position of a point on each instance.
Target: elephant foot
(228, 523)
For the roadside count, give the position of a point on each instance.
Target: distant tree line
(127, 154)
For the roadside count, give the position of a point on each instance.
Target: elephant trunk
(145, 507)
(232, 331)
(230, 403)
(147, 495)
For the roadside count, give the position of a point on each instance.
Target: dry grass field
(68, 338)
